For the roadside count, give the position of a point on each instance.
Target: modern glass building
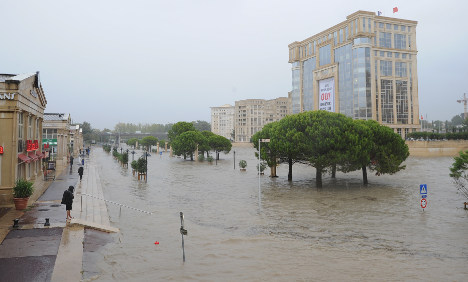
(364, 68)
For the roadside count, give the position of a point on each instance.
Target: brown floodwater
(343, 231)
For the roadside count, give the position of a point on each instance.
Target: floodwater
(344, 231)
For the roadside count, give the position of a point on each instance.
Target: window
(388, 26)
(385, 39)
(325, 55)
(409, 42)
(409, 29)
(385, 68)
(351, 27)
(364, 24)
(341, 36)
(30, 128)
(400, 41)
(386, 100)
(346, 33)
(382, 54)
(335, 37)
(389, 54)
(400, 69)
(20, 132)
(381, 25)
(369, 24)
(401, 95)
(395, 27)
(397, 55)
(403, 28)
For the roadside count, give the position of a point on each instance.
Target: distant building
(222, 121)
(22, 104)
(252, 114)
(57, 138)
(364, 67)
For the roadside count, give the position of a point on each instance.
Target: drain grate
(55, 206)
(43, 209)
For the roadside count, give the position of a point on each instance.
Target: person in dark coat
(71, 160)
(80, 172)
(67, 200)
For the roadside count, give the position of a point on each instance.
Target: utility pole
(464, 101)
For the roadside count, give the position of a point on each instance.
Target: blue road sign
(423, 196)
(423, 189)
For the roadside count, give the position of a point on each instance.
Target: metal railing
(112, 202)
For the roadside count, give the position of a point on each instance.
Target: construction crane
(464, 101)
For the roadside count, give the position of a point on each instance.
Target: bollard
(15, 223)
(183, 231)
(47, 223)
(466, 203)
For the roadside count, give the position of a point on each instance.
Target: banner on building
(327, 94)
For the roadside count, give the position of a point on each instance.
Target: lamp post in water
(259, 190)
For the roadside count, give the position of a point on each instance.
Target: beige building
(222, 121)
(364, 67)
(22, 104)
(56, 138)
(252, 114)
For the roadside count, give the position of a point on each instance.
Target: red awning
(39, 154)
(24, 158)
(33, 156)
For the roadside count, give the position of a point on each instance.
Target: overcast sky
(153, 61)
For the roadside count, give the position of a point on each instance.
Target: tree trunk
(364, 175)
(318, 177)
(191, 157)
(334, 171)
(290, 169)
(273, 170)
(217, 155)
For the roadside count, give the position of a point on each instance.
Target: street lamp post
(259, 189)
(234, 159)
(133, 155)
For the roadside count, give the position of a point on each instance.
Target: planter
(243, 169)
(21, 203)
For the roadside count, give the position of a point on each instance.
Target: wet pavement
(35, 252)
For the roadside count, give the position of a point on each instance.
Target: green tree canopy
(201, 125)
(219, 144)
(132, 141)
(185, 144)
(179, 128)
(458, 173)
(149, 141)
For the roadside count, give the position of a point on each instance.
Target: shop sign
(32, 145)
(1, 150)
(7, 96)
(327, 95)
(52, 142)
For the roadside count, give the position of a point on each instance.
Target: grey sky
(166, 61)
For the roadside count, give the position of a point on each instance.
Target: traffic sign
(423, 189)
(424, 196)
(423, 203)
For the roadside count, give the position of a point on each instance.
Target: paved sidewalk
(34, 252)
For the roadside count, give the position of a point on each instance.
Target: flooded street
(344, 231)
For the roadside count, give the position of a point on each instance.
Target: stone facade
(22, 104)
(222, 121)
(252, 114)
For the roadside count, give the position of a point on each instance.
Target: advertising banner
(327, 94)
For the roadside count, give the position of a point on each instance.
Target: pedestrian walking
(67, 200)
(82, 161)
(80, 172)
(71, 160)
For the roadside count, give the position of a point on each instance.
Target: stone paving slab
(22, 269)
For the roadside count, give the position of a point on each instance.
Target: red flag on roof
(395, 9)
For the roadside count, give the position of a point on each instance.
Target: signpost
(423, 192)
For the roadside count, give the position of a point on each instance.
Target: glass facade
(389, 43)
(307, 84)
(385, 39)
(400, 41)
(401, 95)
(385, 68)
(343, 56)
(362, 83)
(386, 100)
(325, 55)
(296, 92)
